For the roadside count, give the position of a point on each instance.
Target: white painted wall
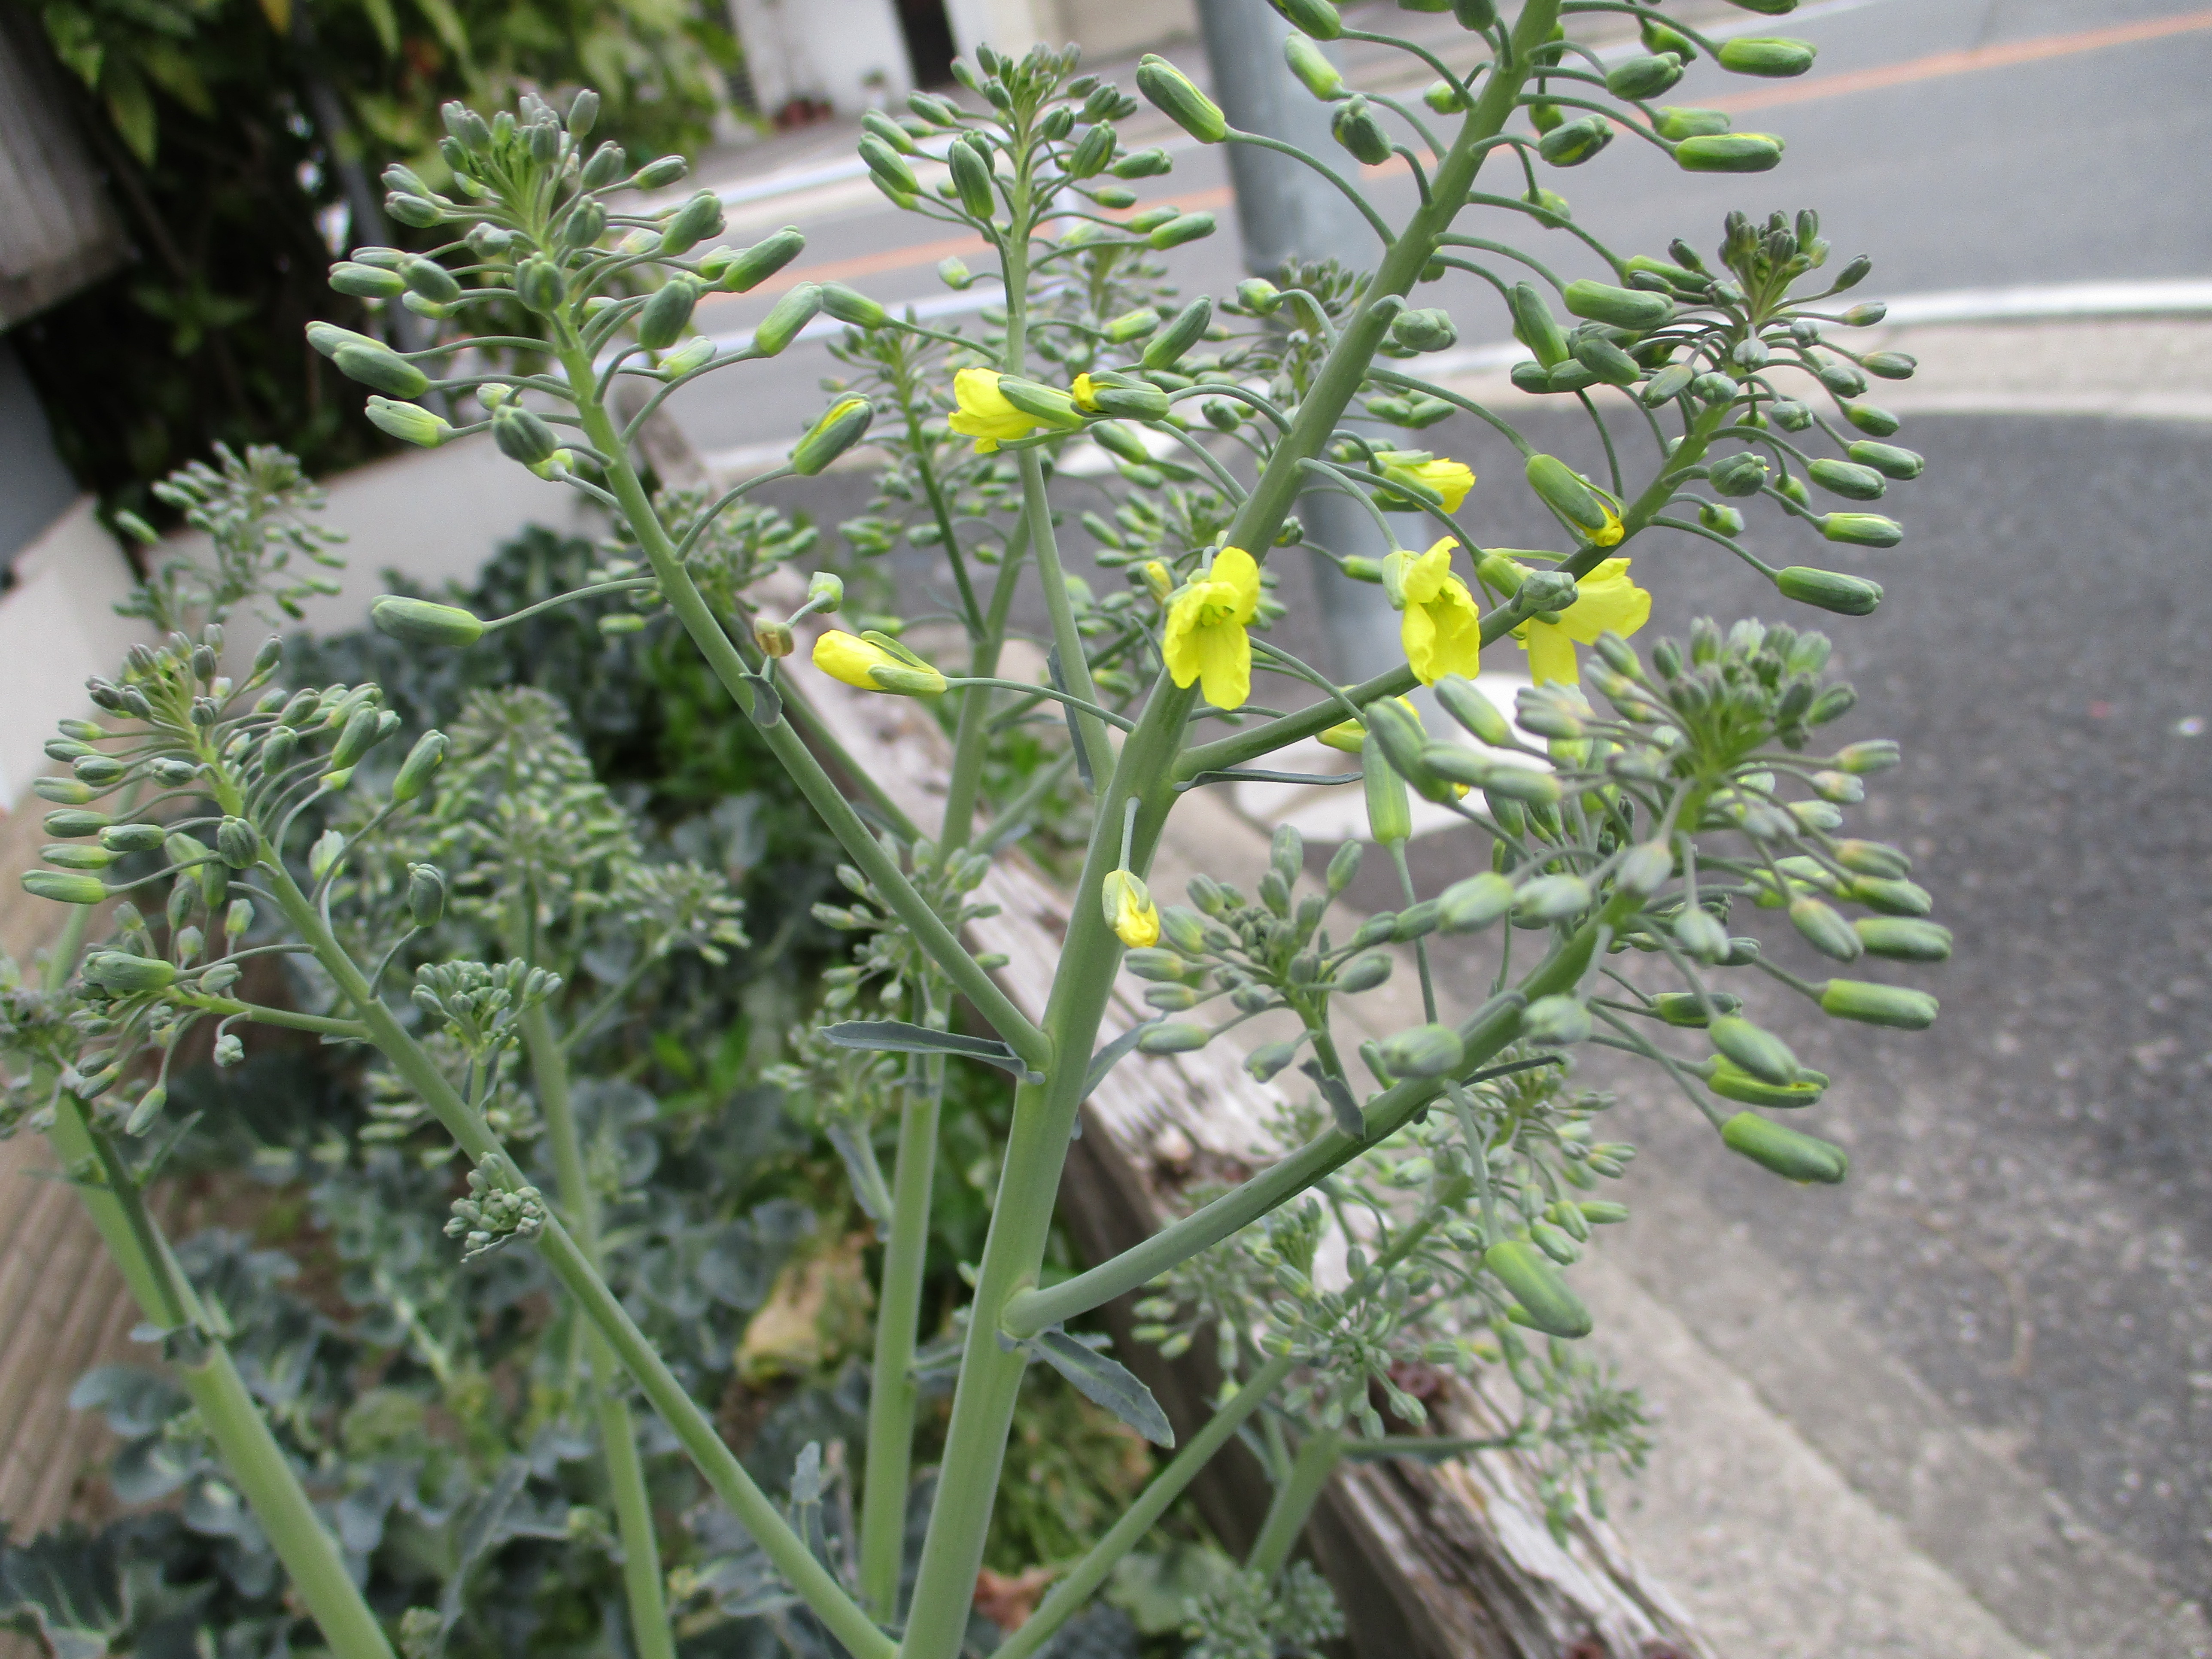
(850, 53)
(430, 515)
(57, 628)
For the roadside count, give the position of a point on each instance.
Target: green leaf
(73, 1586)
(896, 1036)
(130, 106)
(1111, 1056)
(386, 26)
(1105, 1383)
(76, 42)
(447, 22)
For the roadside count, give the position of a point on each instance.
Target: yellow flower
(1450, 479)
(1085, 393)
(1159, 580)
(1129, 908)
(1604, 600)
(874, 662)
(984, 413)
(1442, 631)
(1205, 639)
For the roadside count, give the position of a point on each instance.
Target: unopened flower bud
(1729, 152)
(1895, 1005)
(1166, 347)
(1573, 142)
(1173, 94)
(789, 314)
(1788, 1152)
(1676, 122)
(1550, 899)
(1312, 67)
(1770, 56)
(1621, 308)
(662, 321)
(423, 761)
(1173, 1038)
(774, 638)
(522, 436)
(426, 895)
(1355, 127)
(1317, 18)
(1759, 1052)
(64, 886)
(1904, 938)
(124, 974)
(1425, 1051)
(1831, 590)
(1542, 1299)
(422, 621)
(1888, 460)
(1556, 1021)
(1647, 867)
(378, 365)
(238, 843)
(840, 427)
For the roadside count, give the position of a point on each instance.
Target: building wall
(1117, 28)
(850, 54)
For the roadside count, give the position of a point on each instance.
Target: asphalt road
(2029, 1220)
(2063, 159)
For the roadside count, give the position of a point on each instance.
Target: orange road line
(1938, 65)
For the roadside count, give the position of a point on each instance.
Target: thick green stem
(1079, 1582)
(626, 1488)
(1029, 1183)
(892, 1390)
(254, 1461)
(1294, 1500)
(813, 1582)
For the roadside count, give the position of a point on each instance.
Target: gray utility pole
(1285, 210)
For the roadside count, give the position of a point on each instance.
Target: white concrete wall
(57, 628)
(850, 53)
(430, 515)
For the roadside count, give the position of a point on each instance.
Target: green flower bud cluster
(480, 1005)
(495, 1213)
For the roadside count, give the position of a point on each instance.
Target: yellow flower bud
(1129, 910)
(876, 662)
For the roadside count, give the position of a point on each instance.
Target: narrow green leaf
(1102, 1381)
(1111, 1056)
(896, 1036)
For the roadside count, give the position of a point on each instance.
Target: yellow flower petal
(1225, 666)
(1205, 641)
(1443, 635)
(849, 657)
(1551, 654)
(1129, 910)
(1240, 572)
(984, 413)
(1606, 598)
